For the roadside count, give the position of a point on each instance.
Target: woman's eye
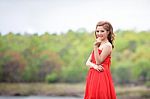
(97, 31)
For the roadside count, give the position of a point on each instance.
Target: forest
(55, 58)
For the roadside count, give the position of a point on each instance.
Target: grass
(134, 92)
(61, 89)
(65, 89)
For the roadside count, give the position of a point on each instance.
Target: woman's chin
(102, 38)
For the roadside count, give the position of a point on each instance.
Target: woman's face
(101, 33)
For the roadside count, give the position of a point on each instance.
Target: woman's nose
(98, 33)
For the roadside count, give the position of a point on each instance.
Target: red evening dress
(99, 85)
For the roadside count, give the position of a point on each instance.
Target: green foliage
(141, 70)
(61, 58)
(51, 78)
(122, 73)
(73, 74)
(147, 84)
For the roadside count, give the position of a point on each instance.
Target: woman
(99, 84)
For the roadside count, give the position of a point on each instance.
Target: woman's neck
(104, 41)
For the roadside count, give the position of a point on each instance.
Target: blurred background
(44, 45)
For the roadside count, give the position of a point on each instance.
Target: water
(38, 97)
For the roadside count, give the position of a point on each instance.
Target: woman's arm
(90, 64)
(105, 52)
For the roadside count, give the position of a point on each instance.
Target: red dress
(99, 85)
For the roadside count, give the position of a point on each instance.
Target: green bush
(51, 78)
(147, 84)
(122, 75)
(72, 74)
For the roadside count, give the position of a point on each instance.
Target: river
(38, 97)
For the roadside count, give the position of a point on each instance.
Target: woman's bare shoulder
(108, 45)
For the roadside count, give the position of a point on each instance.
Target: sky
(58, 16)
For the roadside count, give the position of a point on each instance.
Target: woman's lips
(100, 36)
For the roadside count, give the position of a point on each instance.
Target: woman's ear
(108, 32)
(95, 35)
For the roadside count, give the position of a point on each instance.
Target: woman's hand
(97, 42)
(99, 68)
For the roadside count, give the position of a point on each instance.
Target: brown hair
(107, 26)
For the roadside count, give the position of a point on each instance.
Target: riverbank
(44, 89)
(39, 97)
(64, 89)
